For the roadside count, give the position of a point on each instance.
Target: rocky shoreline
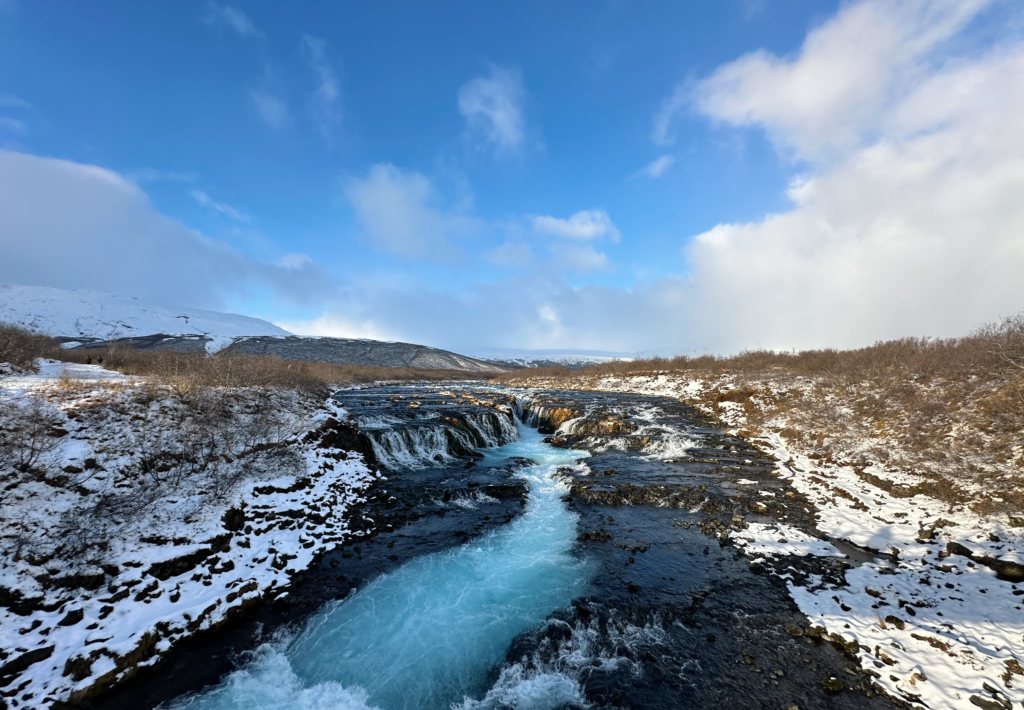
(920, 598)
(400, 515)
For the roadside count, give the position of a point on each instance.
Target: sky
(654, 178)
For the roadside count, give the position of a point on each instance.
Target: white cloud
(512, 254)
(232, 18)
(326, 108)
(656, 168)
(587, 224)
(493, 109)
(335, 324)
(271, 109)
(581, 259)
(396, 208)
(70, 225)
(910, 219)
(848, 72)
(226, 210)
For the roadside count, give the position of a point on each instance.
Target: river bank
(935, 613)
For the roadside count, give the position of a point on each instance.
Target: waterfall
(434, 439)
(427, 635)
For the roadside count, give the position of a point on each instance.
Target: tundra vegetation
(949, 411)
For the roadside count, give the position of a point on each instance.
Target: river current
(430, 633)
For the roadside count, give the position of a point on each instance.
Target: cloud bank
(909, 219)
(76, 226)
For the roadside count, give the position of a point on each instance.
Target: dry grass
(20, 346)
(190, 372)
(992, 351)
(950, 411)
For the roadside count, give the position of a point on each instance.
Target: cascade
(431, 439)
(428, 634)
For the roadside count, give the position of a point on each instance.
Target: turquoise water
(427, 634)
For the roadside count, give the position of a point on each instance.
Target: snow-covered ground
(116, 543)
(92, 314)
(938, 627)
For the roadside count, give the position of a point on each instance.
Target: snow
(93, 314)
(938, 629)
(779, 539)
(133, 605)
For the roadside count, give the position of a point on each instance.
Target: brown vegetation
(20, 346)
(187, 372)
(948, 410)
(991, 351)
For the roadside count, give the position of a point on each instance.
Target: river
(427, 634)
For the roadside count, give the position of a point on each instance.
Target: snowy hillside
(571, 359)
(93, 314)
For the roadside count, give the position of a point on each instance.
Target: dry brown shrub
(949, 410)
(188, 373)
(989, 352)
(20, 346)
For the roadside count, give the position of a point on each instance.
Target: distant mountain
(376, 353)
(95, 316)
(569, 359)
(93, 319)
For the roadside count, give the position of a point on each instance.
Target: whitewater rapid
(428, 634)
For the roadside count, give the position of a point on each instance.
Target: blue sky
(516, 175)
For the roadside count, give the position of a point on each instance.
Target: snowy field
(938, 613)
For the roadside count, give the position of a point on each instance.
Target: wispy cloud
(231, 17)
(398, 210)
(587, 224)
(12, 124)
(656, 168)
(271, 109)
(679, 99)
(153, 175)
(11, 101)
(326, 101)
(493, 108)
(226, 210)
(9, 123)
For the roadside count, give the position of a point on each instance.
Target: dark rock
(20, 663)
(72, 617)
(78, 667)
(833, 684)
(178, 565)
(234, 519)
(986, 703)
(557, 630)
(895, 621)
